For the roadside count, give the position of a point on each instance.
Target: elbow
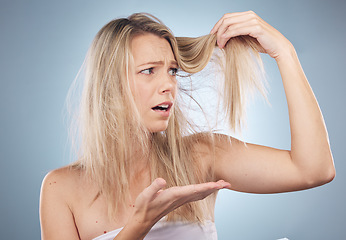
(330, 175)
(321, 177)
(327, 177)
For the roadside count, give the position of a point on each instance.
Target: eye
(173, 71)
(147, 71)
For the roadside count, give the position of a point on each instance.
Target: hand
(248, 23)
(155, 202)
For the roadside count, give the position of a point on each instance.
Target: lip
(164, 113)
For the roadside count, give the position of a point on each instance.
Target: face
(153, 80)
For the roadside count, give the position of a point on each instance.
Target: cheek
(142, 91)
(142, 96)
(136, 89)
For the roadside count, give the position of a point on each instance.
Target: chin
(158, 128)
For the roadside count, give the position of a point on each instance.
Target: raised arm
(259, 169)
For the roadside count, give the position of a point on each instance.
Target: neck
(139, 158)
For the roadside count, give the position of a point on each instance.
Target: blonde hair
(108, 129)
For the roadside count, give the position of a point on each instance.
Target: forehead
(151, 48)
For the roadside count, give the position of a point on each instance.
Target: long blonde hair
(108, 129)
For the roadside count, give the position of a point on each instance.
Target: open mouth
(162, 107)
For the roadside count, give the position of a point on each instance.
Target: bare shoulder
(59, 193)
(212, 143)
(199, 143)
(65, 186)
(206, 148)
(61, 181)
(64, 173)
(225, 142)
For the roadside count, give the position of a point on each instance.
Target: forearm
(310, 148)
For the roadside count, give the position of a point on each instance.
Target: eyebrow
(158, 63)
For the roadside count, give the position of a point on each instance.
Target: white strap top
(173, 230)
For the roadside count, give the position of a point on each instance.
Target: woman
(141, 169)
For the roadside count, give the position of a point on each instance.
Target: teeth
(164, 106)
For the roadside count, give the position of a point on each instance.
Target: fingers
(154, 202)
(180, 195)
(157, 185)
(201, 191)
(225, 16)
(224, 184)
(238, 30)
(196, 192)
(236, 24)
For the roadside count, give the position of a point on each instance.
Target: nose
(168, 84)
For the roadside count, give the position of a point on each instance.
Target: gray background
(43, 44)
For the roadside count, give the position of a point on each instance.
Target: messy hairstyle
(108, 129)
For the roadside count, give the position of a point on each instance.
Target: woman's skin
(153, 79)
(66, 210)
